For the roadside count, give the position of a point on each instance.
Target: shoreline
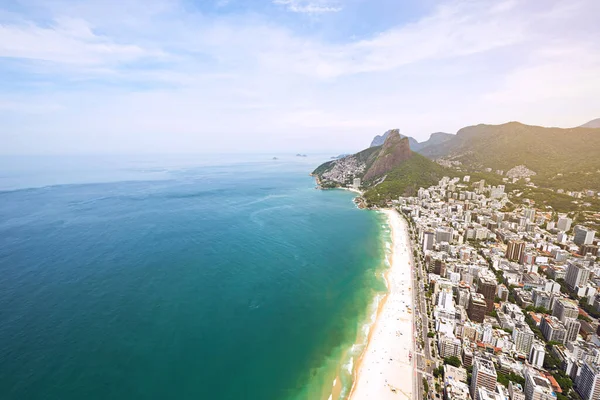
(384, 369)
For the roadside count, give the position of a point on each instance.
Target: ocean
(221, 277)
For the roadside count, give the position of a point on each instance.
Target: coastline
(385, 370)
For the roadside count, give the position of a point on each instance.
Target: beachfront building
(428, 239)
(449, 346)
(484, 376)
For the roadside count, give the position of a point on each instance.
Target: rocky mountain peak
(395, 150)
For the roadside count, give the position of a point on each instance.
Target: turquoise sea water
(195, 278)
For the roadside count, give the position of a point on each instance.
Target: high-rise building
(477, 307)
(553, 330)
(572, 325)
(537, 354)
(541, 298)
(445, 300)
(564, 309)
(588, 382)
(515, 250)
(488, 334)
(439, 267)
(503, 292)
(537, 386)
(449, 346)
(497, 192)
(484, 375)
(582, 235)
(564, 224)
(577, 275)
(588, 249)
(463, 297)
(487, 287)
(443, 235)
(428, 238)
(529, 214)
(523, 337)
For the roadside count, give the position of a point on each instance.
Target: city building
(477, 307)
(537, 354)
(572, 325)
(553, 330)
(428, 239)
(449, 346)
(582, 235)
(577, 275)
(537, 386)
(515, 250)
(515, 391)
(484, 375)
(588, 381)
(564, 224)
(564, 308)
(487, 287)
(523, 338)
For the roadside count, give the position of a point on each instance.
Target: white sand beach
(386, 370)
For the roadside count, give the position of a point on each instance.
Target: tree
(452, 360)
(430, 334)
(563, 380)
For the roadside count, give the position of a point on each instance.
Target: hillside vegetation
(549, 152)
(406, 179)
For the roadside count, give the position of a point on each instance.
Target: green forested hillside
(549, 152)
(406, 179)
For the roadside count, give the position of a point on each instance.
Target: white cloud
(248, 77)
(308, 7)
(66, 41)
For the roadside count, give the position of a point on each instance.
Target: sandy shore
(385, 370)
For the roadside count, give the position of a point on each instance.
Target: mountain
(387, 171)
(380, 139)
(595, 123)
(558, 157)
(435, 139)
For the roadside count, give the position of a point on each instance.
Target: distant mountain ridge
(566, 158)
(434, 139)
(553, 158)
(379, 140)
(595, 123)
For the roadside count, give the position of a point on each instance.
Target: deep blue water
(204, 278)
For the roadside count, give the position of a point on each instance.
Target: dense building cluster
(513, 294)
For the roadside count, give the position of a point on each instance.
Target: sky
(210, 76)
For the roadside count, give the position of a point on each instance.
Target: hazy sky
(151, 76)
